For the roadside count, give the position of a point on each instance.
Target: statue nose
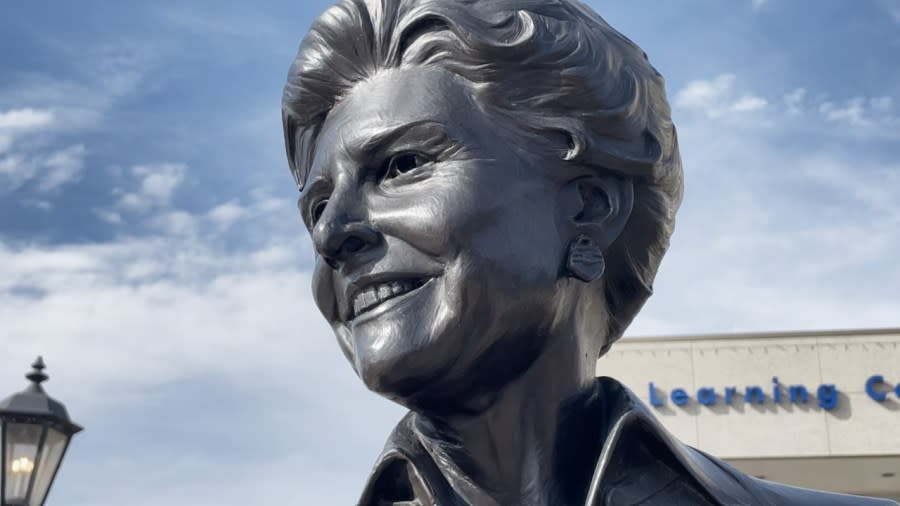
(337, 239)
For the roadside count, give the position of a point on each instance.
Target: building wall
(856, 425)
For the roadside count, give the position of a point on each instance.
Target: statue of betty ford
(490, 186)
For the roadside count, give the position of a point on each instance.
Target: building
(813, 409)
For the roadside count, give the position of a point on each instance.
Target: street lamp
(35, 430)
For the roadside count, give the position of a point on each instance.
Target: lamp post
(35, 430)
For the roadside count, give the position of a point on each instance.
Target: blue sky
(151, 250)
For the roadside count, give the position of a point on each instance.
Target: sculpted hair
(570, 85)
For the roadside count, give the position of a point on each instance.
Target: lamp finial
(37, 375)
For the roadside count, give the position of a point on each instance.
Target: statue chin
(407, 379)
(439, 380)
(388, 377)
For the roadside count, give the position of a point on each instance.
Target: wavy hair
(577, 89)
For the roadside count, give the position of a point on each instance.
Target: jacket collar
(639, 460)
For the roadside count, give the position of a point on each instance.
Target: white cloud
(757, 4)
(15, 123)
(160, 181)
(63, 167)
(43, 205)
(49, 170)
(25, 119)
(111, 217)
(157, 184)
(852, 111)
(23, 162)
(748, 103)
(120, 69)
(873, 115)
(15, 170)
(225, 215)
(794, 101)
(128, 298)
(74, 106)
(150, 202)
(721, 99)
(716, 98)
(37, 108)
(703, 94)
(175, 223)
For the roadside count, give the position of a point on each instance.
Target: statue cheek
(345, 341)
(324, 291)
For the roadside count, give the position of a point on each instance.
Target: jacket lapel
(405, 475)
(641, 463)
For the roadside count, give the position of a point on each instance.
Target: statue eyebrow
(379, 140)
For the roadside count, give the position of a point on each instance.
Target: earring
(585, 260)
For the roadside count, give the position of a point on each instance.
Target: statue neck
(509, 452)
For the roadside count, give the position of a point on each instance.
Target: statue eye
(402, 163)
(316, 211)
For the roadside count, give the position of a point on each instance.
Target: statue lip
(368, 292)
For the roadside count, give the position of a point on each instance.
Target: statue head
(481, 179)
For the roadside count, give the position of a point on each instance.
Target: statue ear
(599, 208)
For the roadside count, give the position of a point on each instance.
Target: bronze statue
(490, 186)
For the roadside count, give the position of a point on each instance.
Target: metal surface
(490, 186)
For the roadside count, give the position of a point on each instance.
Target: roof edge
(764, 335)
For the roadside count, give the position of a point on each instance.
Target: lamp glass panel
(22, 441)
(54, 448)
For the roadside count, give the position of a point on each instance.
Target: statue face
(439, 242)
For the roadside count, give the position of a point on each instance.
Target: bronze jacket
(640, 464)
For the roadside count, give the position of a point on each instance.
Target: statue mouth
(375, 294)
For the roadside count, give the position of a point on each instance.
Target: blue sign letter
(798, 393)
(730, 392)
(828, 396)
(654, 400)
(870, 387)
(754, 394)
(706, 396)
(679, 396)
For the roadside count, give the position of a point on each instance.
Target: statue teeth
(373, 295)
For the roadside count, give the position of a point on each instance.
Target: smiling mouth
(370, 297)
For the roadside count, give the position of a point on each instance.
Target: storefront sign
(826, 395)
